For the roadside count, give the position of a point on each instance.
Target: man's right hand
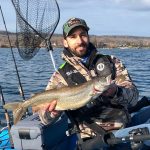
(47, 107)
(47, 112)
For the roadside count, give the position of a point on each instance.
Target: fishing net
(36, 23)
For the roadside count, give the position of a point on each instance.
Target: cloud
(129, 17)
(132, 5)
(144, 2)
(138, 5)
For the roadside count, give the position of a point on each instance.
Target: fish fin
(18, 110)
(18, 113)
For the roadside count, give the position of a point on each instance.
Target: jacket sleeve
(127, 93)
(56, 81)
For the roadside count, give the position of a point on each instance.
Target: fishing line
(20, 85)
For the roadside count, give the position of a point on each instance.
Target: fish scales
(68, 98)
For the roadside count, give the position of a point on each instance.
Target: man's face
(77, 41)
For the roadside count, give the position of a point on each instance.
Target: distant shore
(99, 41)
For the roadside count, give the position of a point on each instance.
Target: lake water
(35, 73)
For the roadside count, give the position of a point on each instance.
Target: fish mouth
(96, 90)
(109, 80)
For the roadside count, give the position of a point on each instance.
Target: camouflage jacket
(128, 96)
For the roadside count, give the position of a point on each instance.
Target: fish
(68, 97)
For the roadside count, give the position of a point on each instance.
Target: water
(36, 72)
(138, 64)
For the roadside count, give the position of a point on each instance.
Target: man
(82, 63)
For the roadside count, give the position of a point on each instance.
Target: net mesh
(36, 22)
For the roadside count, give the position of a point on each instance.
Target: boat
(30, 133)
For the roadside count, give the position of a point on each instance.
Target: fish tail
(18, 110)
(12, 106)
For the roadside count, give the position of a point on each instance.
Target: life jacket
(102, 65)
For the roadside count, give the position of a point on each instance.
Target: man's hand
(111, 91)
(47, 107)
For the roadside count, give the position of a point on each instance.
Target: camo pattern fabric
(109, 119)
(128, 96)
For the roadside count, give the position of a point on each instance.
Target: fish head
(101, 84)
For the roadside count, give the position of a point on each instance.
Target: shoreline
(102, 41)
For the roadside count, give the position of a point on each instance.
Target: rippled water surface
(35, 73)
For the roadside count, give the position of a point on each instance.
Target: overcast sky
(104, 17)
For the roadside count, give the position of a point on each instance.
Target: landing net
(36, 23)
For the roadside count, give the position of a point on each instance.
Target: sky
(104, 17)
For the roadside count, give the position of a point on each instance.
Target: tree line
(98, 41)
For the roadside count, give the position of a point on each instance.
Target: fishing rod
(20, 85)
(6, 112)
(135, 138)
(6, 116)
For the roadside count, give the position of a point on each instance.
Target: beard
(80, 50)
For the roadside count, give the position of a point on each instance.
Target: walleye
(68, 98)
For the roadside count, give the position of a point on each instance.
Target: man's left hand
(111, 91)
